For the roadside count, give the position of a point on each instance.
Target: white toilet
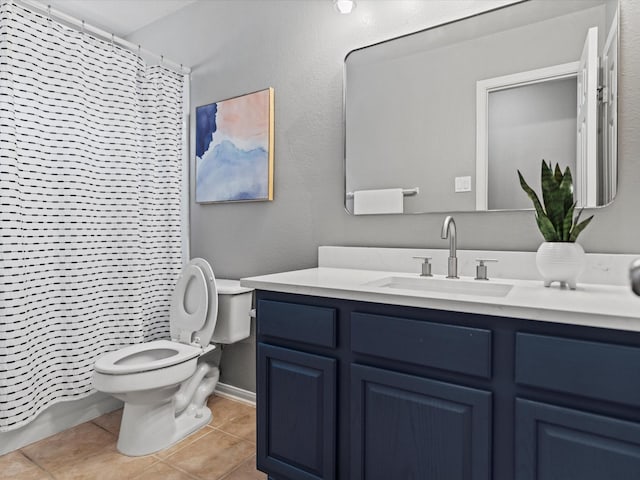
(165, 384)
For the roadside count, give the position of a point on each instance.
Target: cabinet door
(556, 443)
(296, 410)
(407, 427)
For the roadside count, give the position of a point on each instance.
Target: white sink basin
(444, 285)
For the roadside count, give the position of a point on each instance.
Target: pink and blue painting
(234, 149)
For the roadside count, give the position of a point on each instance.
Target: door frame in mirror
(483, 89)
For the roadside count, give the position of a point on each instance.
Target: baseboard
(58, 417)
(235, 393)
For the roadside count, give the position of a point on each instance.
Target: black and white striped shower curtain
(90, 189)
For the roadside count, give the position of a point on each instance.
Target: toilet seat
(145, 357)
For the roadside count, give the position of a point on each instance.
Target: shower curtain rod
(47, 10)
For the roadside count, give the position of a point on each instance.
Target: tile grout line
(167, 460)
(36, 464)
(103, 428)
(24, 454)
(170, 465)
(237, 467)
(196, 477)
(181, 448)
(234, 436)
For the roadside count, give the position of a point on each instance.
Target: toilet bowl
(164, 384)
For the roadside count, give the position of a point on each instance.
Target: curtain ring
(49, 12)
(83, 27)
(162, 60)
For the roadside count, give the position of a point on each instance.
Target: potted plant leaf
(560, 258)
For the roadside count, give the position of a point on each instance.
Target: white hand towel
(369, 202)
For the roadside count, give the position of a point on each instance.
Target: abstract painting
(234, 149)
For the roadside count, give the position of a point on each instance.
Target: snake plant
(555, 220)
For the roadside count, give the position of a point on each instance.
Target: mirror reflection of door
(526, 124)
(587, 126)
(608, 171)
(522, 119)
(529, 116)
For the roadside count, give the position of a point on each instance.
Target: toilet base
(146, 430)
(156, 419)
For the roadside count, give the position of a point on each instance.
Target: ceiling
(121, 17)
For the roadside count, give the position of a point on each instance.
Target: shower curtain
(90, 188)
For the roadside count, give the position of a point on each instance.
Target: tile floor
(224, 449)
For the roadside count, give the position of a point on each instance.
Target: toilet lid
(191, 289)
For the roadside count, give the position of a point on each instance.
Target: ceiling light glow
(344, 6)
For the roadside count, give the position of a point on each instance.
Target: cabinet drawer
(297, 322)
(598, 370)
(447, 347)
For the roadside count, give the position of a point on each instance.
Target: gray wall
(298, 48)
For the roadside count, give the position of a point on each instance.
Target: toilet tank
(234, 307)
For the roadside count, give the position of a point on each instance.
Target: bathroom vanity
(358, 380)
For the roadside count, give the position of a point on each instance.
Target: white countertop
(605, 306)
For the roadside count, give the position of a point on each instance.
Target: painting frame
(234, 149)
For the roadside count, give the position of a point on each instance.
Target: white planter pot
(560, 262)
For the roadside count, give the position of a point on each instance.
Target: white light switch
(463, 184)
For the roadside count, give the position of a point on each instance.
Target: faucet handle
(426, 266)
(481, 268)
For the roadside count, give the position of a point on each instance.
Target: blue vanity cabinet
(350, 390)
(345, 392)
(296, 391)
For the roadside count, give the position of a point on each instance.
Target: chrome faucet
(449, 230)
